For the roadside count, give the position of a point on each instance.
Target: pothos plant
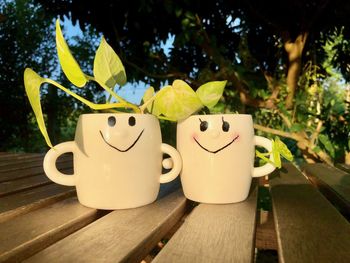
(172, 102)
(109, 72)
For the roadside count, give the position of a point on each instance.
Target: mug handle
(174, 162)
(50, 163)
(266, 168)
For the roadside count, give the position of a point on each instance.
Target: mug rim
(220, 114)
(146, 115)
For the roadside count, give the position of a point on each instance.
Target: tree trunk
(294, 51)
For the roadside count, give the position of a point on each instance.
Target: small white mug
(218, 153)
(117, 160)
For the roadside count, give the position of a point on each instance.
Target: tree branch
(294, 51)
(277, 132)
(316, 132)
(157, 76)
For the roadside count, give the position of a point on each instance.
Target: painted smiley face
(225, 128)
(131, 122)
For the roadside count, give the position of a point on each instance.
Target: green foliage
(68, 63)
(278, 149)
(174, 102)
(108, 68)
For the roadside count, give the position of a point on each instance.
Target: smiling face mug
(117, 160)
(218, 157)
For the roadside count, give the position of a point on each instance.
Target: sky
(132, 92)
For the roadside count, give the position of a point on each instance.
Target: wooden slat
(30, 171)
(15, 186)
(25, 201)
(18, 156)
(333, 183)
(20, 161)
(121, 236)
(28, 164)
(343, 166)
(309, 228)
(27, 234)
(215, 233)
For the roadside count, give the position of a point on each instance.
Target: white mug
(217, 154)
(117, 160)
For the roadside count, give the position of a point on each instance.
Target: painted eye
(111, 121)
(225, 126)
(203, 126)
(132, 121)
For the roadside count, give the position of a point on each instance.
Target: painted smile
(218, 150)
(132, 145)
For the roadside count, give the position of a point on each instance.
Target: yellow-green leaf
(147, 97)
(177, 102)
(32, 83)
(69, 65)
(262, 156)
(283, 149)
(108, 67)
(276, 155)
(211, 92)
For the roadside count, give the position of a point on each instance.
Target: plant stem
(116, 96)
(165, 118)
(89, 103)
(144, 106)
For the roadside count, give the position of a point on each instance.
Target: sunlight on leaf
(276, 155)
(178, 101)
(211, 92)
(32, 83)
(283, 149)
(263, 157)
(147, 96)
(108, 67)
(278, 149)
(69, 65)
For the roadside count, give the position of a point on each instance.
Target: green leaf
(324, 139)
(211, 92)
(108, 67)
(283, 149)
(147, 96)
(316, 149)
(276, 154)
(263, 157)
(32, 83)
(296, 127)
(69, 65)
(177, 102)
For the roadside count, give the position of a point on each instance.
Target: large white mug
(117, 160)
(217, 154)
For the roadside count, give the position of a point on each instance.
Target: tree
(27, 40)
(263, 48)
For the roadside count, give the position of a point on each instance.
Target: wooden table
(43, 222)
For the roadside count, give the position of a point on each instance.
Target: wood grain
(121, 236)
(38, 161)
(27, 234)
(25, 201)
(215, 233)
(309, 228)
(14, 186)
(8, 157)
(20, 161)
(343, 166)
(333, 183)
(30, 171)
